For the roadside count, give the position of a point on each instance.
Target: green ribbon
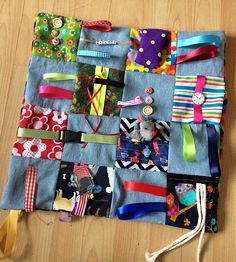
(44, 134)
(189, 150)
(58, 77)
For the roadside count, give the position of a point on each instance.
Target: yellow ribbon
(99, 99)
(8, 230)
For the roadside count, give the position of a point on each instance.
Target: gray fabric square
(13, 195)
(176, 162)
(39, 66)
(118, 53)
(122, 197)
(210, 67)
(93, 154)
(163, 86)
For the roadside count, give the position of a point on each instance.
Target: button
(149, 90)
(148, 100)
(147, 110)
(198, 98)
(57, 22)
(54, 41)
(54, 33)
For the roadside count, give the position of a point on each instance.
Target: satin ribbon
(199, 41)
(108, 82)
(145, 188)
(54, 92)
(132, 211)
(213, 152)
(8, 229)
(189, 150)
(198, 117)
(91, 53)
(58, 77)
(99, 25)
(44, 134)
(136, 101)
(201, 53)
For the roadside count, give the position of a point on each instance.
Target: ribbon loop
(58, 77)
(99, 25)
(189, 150)
(30, 188)
(201, 53)
(91, 53)
(54, 92)
(199, 41)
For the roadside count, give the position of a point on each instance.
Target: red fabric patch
(36, 117)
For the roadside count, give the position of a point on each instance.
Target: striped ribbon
(30, 188)
(80, 205)
(81, 170)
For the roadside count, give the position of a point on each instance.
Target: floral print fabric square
(168, 55)
(182, 205)
(35, 117)
(183, 107)
(81, 100)
(56, 37)
(139, 154)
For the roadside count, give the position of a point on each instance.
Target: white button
(147, 110)
(57, 22)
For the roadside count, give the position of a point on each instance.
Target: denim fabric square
(93, 154)
(13, 195)
(210, 67)
(39, 66)
(163, 90)
(122, 197)
(117, 52)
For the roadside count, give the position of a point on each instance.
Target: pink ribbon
(54, 92)
(137, 101)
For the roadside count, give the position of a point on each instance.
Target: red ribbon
(99, 25)
(145, 188)
(30, 188)
(201, 53)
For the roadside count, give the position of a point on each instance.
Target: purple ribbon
(213, 154)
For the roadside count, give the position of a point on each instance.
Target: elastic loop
(189, 150)
(90, 53)
(201, 53)
(99, 25)
(54, 92)
(108, 82)
(197, 41)
(58, 77)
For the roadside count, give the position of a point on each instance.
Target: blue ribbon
(213, 152)
(132, 211)
(91, 53)
(199, 41)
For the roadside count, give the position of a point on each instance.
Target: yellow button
(147, 110)
(57, 22)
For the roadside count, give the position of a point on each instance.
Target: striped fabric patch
(30, 188)
(80, 205)
(213, 91)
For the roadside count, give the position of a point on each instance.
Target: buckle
(68, 136)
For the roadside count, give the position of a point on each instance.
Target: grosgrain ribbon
(199, 40)
(54, 92)
(132, 211)
(91, 53)
(8, 229)
(201, 53)
(145, 188)
(213, 152)
(189, 150)
(58, 77)
(99, 25)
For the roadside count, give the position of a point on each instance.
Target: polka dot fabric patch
(35, 117)
(56, 37)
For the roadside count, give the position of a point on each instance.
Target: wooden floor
(40, 236)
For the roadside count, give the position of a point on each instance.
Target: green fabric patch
(80, 103)
(46, 34)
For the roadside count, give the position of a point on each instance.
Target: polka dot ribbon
(99, 25)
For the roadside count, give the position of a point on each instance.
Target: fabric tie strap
(213, 154)
(189, 150)
(54, 92)
(8, 230)
(30, 188)
(132, 211)
(201, 53)
(91, 53)
(99, 25)
(58, 77)
(145, 188)
(199, 41)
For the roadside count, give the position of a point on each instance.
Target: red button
(149, 90)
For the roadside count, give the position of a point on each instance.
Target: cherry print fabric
(35, 117)
(151, 44)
